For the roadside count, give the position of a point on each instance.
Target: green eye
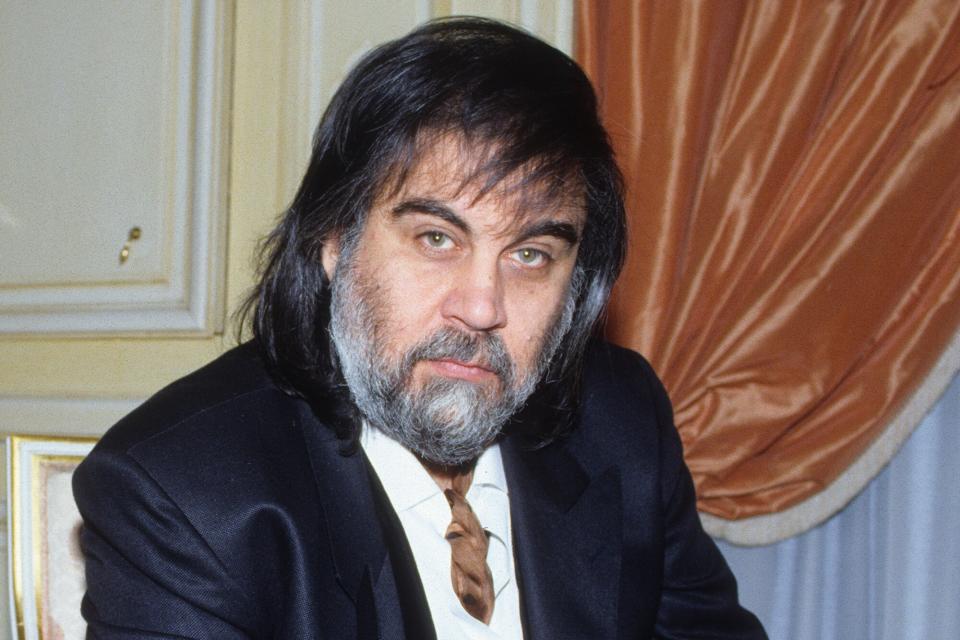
(437, 240)
(530, 256)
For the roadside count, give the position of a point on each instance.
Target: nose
(476, 301)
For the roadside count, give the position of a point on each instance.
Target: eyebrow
(556, 228)
(433, 208)
(562, 230)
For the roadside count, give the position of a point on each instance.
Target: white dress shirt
(425, 515)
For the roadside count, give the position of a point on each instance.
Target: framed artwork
(45, 564)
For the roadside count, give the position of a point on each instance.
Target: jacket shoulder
(227, 429)
(219, 386)
(626, 417)
(191, 499)
(605, 359)
(622, 391)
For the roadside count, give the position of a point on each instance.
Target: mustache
(486, 350)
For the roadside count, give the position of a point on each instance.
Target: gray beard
(449, 421)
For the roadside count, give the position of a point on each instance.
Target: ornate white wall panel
(115, 137)
(326, 37)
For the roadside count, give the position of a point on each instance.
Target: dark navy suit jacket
(223, 508)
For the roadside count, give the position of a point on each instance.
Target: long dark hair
(532, 112)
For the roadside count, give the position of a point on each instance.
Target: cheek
(532, 312)
(409, 298)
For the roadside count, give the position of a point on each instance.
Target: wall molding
(186, 296)
(55, 416)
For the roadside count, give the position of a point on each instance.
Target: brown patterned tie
(472, 580)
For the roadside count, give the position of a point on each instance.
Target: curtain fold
(793, 175)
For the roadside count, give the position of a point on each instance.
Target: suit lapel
(356, 539)
(566, 540)
(404, 579)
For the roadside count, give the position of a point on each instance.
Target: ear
(329, 255)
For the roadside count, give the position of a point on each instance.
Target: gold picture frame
(42, 526)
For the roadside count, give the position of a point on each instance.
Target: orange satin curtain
(793, 174)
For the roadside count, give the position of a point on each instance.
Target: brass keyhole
(132, 236)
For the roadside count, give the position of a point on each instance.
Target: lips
(453, 354)
(474, 372)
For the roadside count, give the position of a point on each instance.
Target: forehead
(452, 169)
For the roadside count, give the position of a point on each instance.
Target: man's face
(448, 307)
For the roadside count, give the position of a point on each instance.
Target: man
(422, 440)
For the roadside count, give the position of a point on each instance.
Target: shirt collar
(489, 470)
(405, 480)
(411, 489)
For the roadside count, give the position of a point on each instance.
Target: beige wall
(287, 58)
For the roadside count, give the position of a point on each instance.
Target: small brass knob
(132, 236)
